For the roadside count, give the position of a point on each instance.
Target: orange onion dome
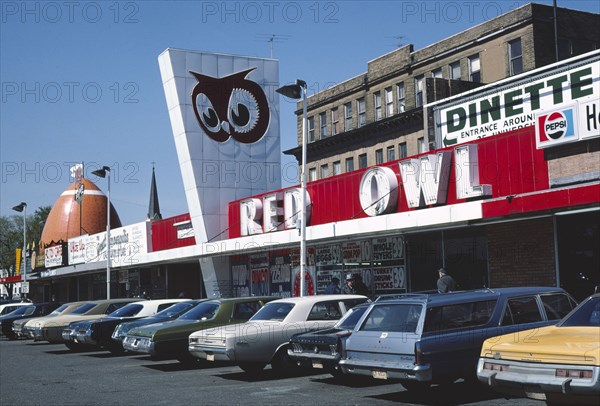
(68, 219)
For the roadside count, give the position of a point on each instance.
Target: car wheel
(282, 363)
(414, 386)
(252, 367)
(116, 349)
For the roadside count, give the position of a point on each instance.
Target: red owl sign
(231, 107)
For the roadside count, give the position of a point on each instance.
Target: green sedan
(170, 338)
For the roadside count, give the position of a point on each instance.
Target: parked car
(422, 339)
(25, 327)
(170, 313)
(264, 339)
(11, 307)
(324, 348)
(559, 364)
(25, 312)
(51, 329)
(98, 332)
(170, 338)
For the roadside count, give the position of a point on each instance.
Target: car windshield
(21, 310)
(204, 311)
(59, 309)
(273, 311)
(351, 318)
(176, 310)
(401, 318)
(127, 311)
(586, 315)
(83, 308)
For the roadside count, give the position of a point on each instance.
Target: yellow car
(559, 364)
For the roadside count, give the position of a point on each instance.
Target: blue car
(420, 339)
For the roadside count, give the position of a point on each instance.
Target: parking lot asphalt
(50, 374)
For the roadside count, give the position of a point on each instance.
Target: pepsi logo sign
(555, 127)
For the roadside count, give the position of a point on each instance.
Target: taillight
(574, 373)
(418, 354)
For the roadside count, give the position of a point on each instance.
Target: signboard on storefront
(513, 103)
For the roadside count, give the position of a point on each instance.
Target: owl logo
(231, 106)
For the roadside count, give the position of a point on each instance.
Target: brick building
(377, 116)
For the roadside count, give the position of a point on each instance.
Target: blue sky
(80, 79)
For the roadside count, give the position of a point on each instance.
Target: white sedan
(264, 339)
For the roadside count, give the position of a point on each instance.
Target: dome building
(69, 219)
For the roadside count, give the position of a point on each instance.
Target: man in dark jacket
(445, 283)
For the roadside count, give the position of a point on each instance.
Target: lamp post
(22, 208)
(105, 172)
(297, 91)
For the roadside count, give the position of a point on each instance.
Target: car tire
(252, 367)
(188, 359)
(415, 386)
(282, 363)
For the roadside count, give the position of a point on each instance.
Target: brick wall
(521, 253)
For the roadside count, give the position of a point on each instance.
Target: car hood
(552, 344)
(170, 329)
(128, 324)
(65, 320)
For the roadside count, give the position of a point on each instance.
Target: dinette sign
(514, 103)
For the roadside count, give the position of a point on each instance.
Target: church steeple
(153, 207)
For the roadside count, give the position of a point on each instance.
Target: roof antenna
(272, 38)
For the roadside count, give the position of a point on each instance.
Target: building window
(389, 102)
(377, 104)
(515, 56)
(324, 171)
(323, 124)
(337, 168)
(378, 156)
(455, 70)
(349, 164)
(391, 153)
(437, 73)
(362, 161)
(335, 121)
(421, 145)
(402, 151)
(311, 129)
(362, 112)
(474, 69)
(401, 97)
(419, 90)
(312, 174)
(347, 116)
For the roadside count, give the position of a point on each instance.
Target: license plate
(317, 364)
(378, 374)
(210, 357)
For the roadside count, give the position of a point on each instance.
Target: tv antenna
(271, 39)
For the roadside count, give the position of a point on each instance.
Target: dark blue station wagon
(422, 339)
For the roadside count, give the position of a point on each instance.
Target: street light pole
(23, 208)
(105, 172)
(297, 91)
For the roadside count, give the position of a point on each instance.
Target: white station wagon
(264, 339)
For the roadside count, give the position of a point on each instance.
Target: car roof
(468, 295)
(318, 298)
(241, 299)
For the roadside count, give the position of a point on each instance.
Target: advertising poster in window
(357, 260)
(389, 271)
(240, 276)
(281, 274)
(328, 261)
(259, 273)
